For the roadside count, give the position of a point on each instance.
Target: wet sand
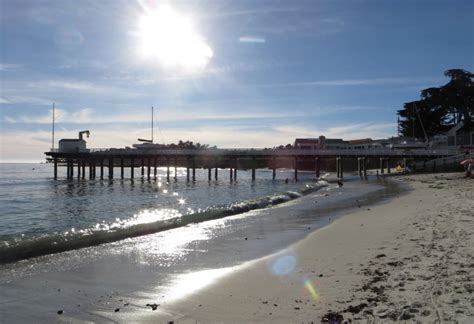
(408, 259)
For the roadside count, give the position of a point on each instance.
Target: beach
(408, 259)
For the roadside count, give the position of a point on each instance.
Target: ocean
(159, 230)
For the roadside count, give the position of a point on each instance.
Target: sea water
(40, 215)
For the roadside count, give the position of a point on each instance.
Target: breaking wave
(25, 248)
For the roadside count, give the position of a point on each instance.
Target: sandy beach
(408, 259)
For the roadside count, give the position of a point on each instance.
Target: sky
(226, 73)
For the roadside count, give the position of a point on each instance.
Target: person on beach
(467, 174)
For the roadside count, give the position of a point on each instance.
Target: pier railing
(444, 162)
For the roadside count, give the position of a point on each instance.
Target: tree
(440, 107)
(419, 119)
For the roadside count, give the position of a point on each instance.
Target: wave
(56, 243)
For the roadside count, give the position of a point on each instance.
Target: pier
(148, 160)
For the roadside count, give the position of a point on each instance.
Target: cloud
(253, 12)
(5, 67)
(251, 39)
(347, 131)
(402, 81)
(92, 117)
(206, 111)
(25, 100)
(35, 143)
(23, 91)
(69, 37)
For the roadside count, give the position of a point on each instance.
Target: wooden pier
(148, 160)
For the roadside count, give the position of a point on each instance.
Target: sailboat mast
(52, 140)
(152, 124)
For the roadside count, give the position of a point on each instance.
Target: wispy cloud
(35, 143)
(5, 67)
(403, 81)
(92, 117)
(25, 100)
(251, 39)
(206, 111)
(253, 12)
(345, 131)
(20, 91)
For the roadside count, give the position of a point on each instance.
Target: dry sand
(409, 259)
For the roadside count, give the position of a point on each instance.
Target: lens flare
(311, 289)
(284, 265)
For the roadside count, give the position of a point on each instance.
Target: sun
(172, 40)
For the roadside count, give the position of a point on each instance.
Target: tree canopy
(439, 108)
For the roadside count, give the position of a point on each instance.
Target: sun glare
(172, 40)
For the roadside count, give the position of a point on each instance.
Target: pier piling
(317, 167)
(111, 168)
(148, 169)
(101, 169)
(273, 168)
(253, 168)
(364, 165)
(175, 169)
(296, 168)
(71, 169)
(55, 175)
(121, 168)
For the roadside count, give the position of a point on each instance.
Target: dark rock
(297, 308)
(117, 310)
(426, 312)
(332, 317)
(356, 309)
(395, 263)
(60, 312)
(380, 256)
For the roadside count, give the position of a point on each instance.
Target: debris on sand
(153, 306)
(332, 317)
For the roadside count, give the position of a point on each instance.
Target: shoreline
(407, 259)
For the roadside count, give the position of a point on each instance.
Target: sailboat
(148, 143)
